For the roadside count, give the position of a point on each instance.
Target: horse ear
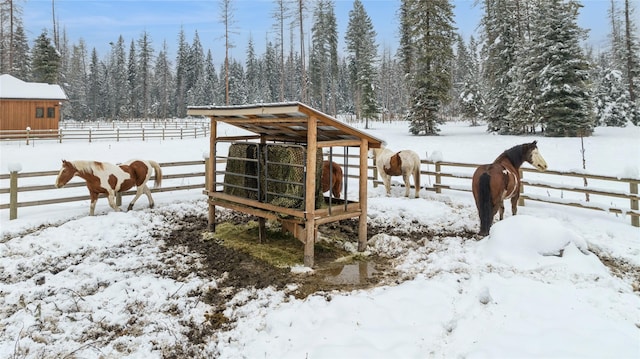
(535, 143)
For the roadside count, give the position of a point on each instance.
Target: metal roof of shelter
(288, 121)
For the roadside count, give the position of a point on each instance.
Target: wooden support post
(633, 189)
(262, 230)
(310, 192)
(362, 196)
(13, 195)
(118, 199)
(211, 173)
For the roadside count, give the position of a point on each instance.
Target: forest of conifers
(528, 70)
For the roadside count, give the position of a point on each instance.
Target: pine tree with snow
(471, 97)
(430, 29)
(362, 49)
(613, 104)
(565, 102)
(501, 40)
(45, 60)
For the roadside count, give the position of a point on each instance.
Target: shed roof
(285, 121)
(14, 88)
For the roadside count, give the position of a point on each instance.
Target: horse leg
(501, 210)
(92, 206)
(139, 190)
(407, 183)
(514, 204)
(387, 184)
(111, 196)
(147, 191)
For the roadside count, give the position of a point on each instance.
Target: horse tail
(158, 174)
(485, 207)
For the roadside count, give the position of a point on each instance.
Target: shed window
(39, 112)
(51, 112)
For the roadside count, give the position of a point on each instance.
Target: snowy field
(552, 282)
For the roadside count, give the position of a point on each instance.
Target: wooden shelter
(290, 124)
(29, 104)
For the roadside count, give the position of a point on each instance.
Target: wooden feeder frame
(290, 123)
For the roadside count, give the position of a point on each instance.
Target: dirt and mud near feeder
(236, 260)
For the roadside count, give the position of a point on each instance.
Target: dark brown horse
(332, 178)
(494, 183)
(107, 178)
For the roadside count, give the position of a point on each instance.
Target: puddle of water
(353, 274)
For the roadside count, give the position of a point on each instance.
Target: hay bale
(241, 171)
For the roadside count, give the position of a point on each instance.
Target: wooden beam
(310, 192)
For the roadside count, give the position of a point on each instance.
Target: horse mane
(516, 154)
(84, 166)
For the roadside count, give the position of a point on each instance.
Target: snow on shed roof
(13, 88)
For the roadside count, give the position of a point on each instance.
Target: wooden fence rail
(617, 195)
(117, 134)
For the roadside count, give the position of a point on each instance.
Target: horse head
(66, 173)
(533, 156)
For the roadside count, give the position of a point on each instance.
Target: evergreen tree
(271, 73)
(430, 26)
(132, 84)
(471, 94)
(501, 37)
(182, 68)
(94, 86)
(237, 84)
(613, 105)
(161, 93)
(45, 60)
(565, 103)
(21, 67)
(76, 85)
(323, 61)
(362, 49)
(254, 92)
(631, 56)
(118, 80)
(144, 75)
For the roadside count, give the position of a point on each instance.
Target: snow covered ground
(553, 282)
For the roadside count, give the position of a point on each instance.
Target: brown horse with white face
(107, 178)
(494, 183)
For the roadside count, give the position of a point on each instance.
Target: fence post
(521, 200)
(633, 188)
(438, 177)
(118, 134)
(90, 128)
(118, 199)
(28, 132)
(60, 135)
(13, 195)
(143, 134)
(181, 132)
(207, 178)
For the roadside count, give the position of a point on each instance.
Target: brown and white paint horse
(494, 183)
(332, 178)
(404, 163)
(107, 178)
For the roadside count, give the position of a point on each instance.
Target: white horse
(403, 163)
